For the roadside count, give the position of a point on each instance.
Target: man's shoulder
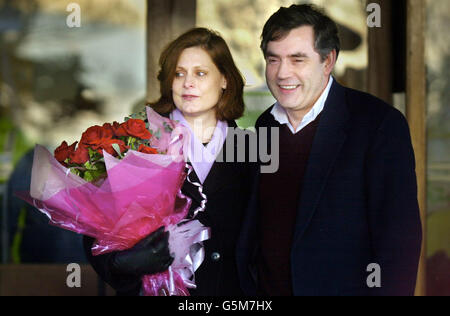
(367, 107)
(354, 96)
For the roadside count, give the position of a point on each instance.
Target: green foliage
(93, 169)
(17, 240)
(157, 134)
(438, 232)
(19, 146)
(117, 149)
(249, 119)
(142, 115)
(167, 127)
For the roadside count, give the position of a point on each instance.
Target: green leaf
(100, 166)
(91, 152)
(94, 155)
(131, 141)
(76, 172)
(92, 175)
(117, 149)
(142, 115)
(88, 176)
(167, 127)
(158, 134)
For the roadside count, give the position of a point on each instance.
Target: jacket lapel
(329, 138)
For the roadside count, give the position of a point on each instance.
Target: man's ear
(329, 62)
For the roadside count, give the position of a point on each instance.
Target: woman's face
(198, 83)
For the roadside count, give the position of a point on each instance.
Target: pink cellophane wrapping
(141, 193)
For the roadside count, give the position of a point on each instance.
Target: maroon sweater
(279, 196)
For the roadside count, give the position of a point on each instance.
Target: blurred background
(57, 80)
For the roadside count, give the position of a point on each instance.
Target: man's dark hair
(285, 19)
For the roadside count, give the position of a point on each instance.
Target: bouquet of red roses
(118, 184)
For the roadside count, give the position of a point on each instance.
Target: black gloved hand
(150, 255)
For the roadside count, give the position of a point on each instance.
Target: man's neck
(296, 116)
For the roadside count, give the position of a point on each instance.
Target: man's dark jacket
(358, 204)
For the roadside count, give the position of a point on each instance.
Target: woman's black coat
(227, 189)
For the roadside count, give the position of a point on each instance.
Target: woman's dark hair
(231, 104)
(285, 19)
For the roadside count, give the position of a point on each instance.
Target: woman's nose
(188, 81)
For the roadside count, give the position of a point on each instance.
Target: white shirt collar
(280, 115)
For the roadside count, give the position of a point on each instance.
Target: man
(340, 216)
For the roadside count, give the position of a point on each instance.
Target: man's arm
(394, 217)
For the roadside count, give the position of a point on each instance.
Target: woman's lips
(189, 97)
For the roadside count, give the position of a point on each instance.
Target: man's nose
(284, 70)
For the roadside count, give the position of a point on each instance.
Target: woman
(202, 89)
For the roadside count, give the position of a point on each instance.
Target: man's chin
(289, 106)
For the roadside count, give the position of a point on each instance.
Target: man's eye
(201, 73)
(272, 60)
(298, 60)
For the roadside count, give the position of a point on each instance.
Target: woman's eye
(201, 73)
(179, 74)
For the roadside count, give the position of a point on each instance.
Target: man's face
(294, 71)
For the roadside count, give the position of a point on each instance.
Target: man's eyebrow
(296, 55)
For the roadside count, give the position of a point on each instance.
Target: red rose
(79, 156)
(63, 151)
(136, 128)
(107, 146)
(95, 136)
(108, 128)
(147, 150)
(119, 130)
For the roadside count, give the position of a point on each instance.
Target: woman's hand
(149, 256)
